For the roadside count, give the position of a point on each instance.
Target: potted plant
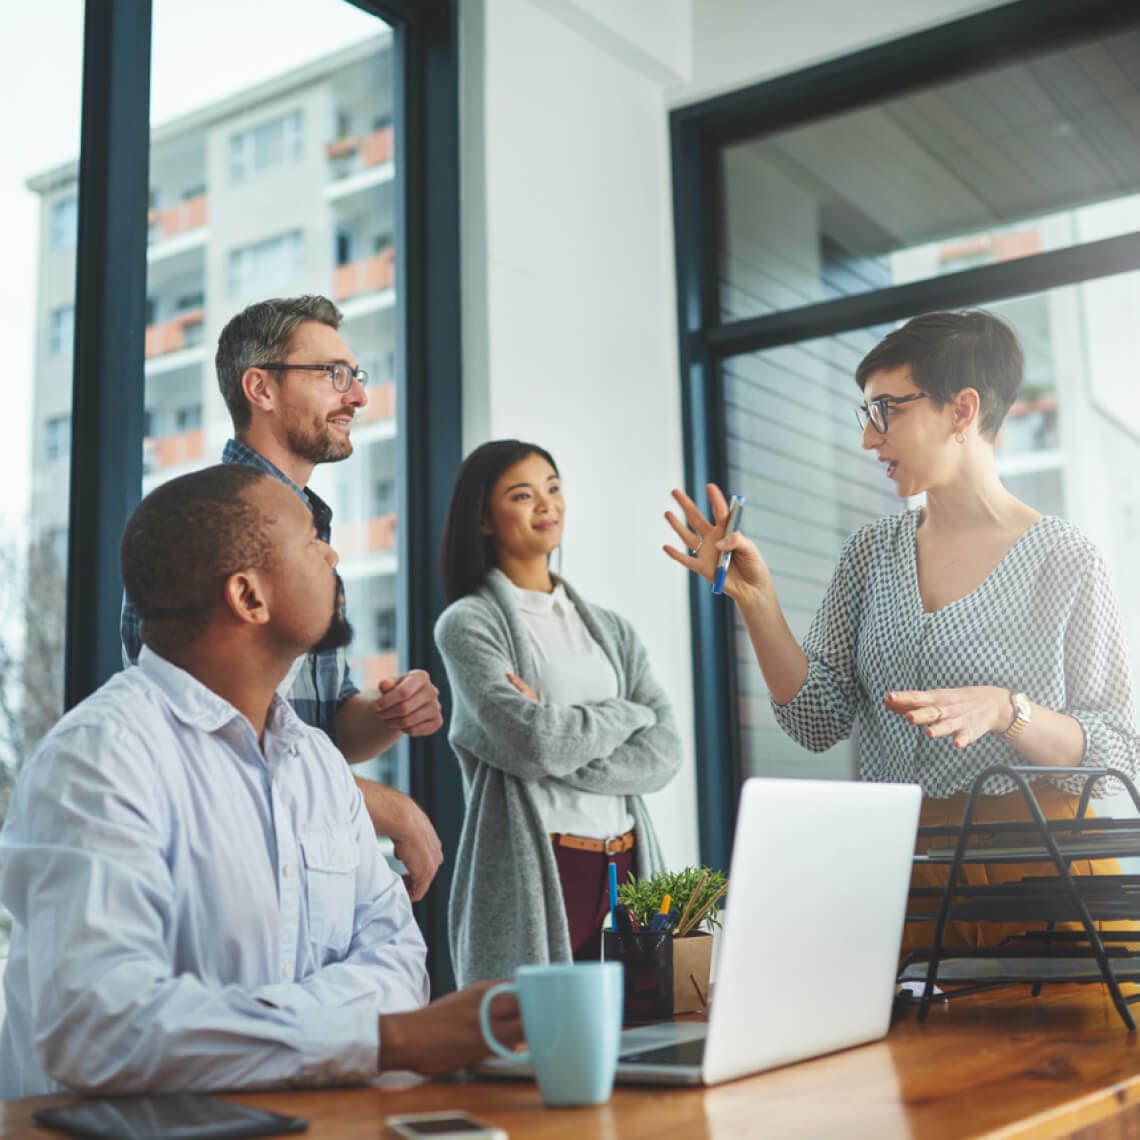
(693, 896)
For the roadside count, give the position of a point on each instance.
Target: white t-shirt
(572, 670)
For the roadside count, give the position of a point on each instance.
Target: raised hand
(705, 540)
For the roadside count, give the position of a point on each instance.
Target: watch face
(1021, 705)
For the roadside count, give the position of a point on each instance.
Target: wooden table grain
(1002, 1065)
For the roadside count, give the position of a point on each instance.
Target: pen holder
(647, 962)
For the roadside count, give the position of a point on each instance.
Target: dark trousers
(586, 892)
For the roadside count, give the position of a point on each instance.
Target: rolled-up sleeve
(1097, 682)
(823, 710)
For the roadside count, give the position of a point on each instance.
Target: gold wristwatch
(1023, 711)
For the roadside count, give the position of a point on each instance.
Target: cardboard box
(692, 958)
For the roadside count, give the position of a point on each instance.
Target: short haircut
(181, 544)
(467, 554)
(260, 334)
(947, 352)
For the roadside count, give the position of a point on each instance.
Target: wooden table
(1002, 1064)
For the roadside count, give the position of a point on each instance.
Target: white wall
(569, 330)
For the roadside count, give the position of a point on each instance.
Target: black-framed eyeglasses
(340, 375)
(876, 412)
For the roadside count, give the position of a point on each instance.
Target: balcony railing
(367, 537)
(348, 155)
(182, 331)
(166, 451)
(381, 403)
(373, 668)
(179, 219)
(369, 275)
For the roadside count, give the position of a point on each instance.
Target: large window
(1012, 187)
(261, 144)
(38, 218)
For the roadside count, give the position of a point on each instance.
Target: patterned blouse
(1045, 622)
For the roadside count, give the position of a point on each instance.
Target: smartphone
(179, 1116)
(443, 1126)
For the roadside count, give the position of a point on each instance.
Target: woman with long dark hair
(557, 721)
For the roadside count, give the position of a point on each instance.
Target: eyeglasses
(340, 376)
(876, 412)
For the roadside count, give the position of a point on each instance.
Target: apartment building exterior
(283, 188)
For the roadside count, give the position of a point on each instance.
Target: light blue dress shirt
(193, 910)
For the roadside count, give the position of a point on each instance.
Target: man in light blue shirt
(198, 897)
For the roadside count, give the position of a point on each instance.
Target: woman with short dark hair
(557, 721)
(968, 632)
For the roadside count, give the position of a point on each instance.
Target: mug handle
(485, 1023)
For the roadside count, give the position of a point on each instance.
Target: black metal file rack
(1055, 896)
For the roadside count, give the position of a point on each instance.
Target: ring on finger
(697, 549)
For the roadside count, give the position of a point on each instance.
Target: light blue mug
(572, 1019)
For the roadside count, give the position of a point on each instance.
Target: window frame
(698, 133)
(108, 388)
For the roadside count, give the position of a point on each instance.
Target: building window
(62, 331)
(188, 418)
(267, 265)
(260, 148)
(57, 438)
(65, 223)
(386, 629)
(384, 500)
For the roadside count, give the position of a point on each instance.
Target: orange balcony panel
(966, 247)
(174, 450)
(377, 147)
(339, 147)
(381, 403)
(367, 276)
(369, 536)
(1020, 243)
(382, 532)
(371, 670)
(188, 215)
(170, 336)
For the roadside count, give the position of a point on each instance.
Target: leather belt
(601, 846)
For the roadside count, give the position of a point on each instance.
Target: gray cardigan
(506, 904)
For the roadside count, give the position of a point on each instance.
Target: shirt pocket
(331, 859)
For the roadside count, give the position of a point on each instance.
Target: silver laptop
(810, 942)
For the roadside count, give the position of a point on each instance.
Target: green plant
(698, 886)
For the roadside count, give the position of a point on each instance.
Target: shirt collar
(196, 705)
(556, 603)
(237, 452)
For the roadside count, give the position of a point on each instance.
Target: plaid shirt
(323, 683)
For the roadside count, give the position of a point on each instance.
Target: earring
(960, 436)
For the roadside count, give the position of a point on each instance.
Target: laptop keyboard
(689, 1053)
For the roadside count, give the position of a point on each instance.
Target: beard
(314, 441)
(339, 633)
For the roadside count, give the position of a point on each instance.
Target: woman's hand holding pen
(748, 580)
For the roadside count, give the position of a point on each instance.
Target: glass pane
(794, 452)
(985, 169)
(1070, 447)
(38, 226)
(275, 178)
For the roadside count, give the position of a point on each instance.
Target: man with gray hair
(292, 387)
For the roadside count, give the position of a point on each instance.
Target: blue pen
(732, 523)
(613, 896)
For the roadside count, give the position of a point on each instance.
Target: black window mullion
(982, 285)
(695, 191)
(110, 322)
